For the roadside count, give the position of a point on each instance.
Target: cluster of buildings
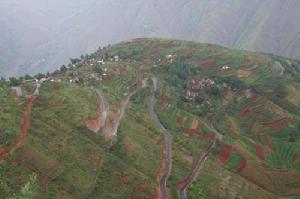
(195, 86)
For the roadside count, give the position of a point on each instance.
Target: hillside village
(67, 73)
(128, 115)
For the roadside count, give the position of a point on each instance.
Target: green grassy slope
(252, 104)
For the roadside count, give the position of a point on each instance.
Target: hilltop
(38, 36)
(120, 122)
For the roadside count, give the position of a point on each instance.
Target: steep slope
(52, 32)
(233, 117)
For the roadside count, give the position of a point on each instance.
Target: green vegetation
(28, 191)
(196, 192)
(249, 104)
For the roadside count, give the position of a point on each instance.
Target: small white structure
(225, 67)
(169, 56)
(116, 58)
(101, 62)
(17, 90)
(44, 79)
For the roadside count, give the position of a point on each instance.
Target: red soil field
(156, 194)
(259, 150)
(283, 124)
(208, 63)
(56, 86)
(270, 143)
(13, 93)
(190, 132)
(181, 121)
(241, 166)
(295, 191)
(128, 144)
(246, 112)
(194, 125)
(108, 77)
(95, 124)
(225, 152)
(207, 136)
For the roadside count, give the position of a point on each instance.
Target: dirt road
(167, 155)
(182, 186)
(25, 125)
(104, 108)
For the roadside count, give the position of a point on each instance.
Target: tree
(97, 69)
(39, 76)
(74, 61)
(213, 90)
(236, 83)
(28, 191)
(63, 69)
(199, 99)
(2, 81)
(27, 77)
(14, 81)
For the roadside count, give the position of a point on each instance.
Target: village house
(74, 80)
(101, 62)
(170, 58)
(248, 93)
(44, 79)
(116, 58)
(225, 68)
(191, 94)
(199, 84)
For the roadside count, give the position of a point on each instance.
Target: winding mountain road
(120, 114)
(113, 131)
(167, 156)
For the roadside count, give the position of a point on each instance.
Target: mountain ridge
(56, 31)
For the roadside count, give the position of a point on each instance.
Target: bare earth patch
(94, 124)
(194, 125)
(243, 73)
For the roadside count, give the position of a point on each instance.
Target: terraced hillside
(152, 118)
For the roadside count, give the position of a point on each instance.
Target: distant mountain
(39, 36)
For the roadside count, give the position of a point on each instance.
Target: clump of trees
(97, 69)
(13, 81)
(27, 191)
